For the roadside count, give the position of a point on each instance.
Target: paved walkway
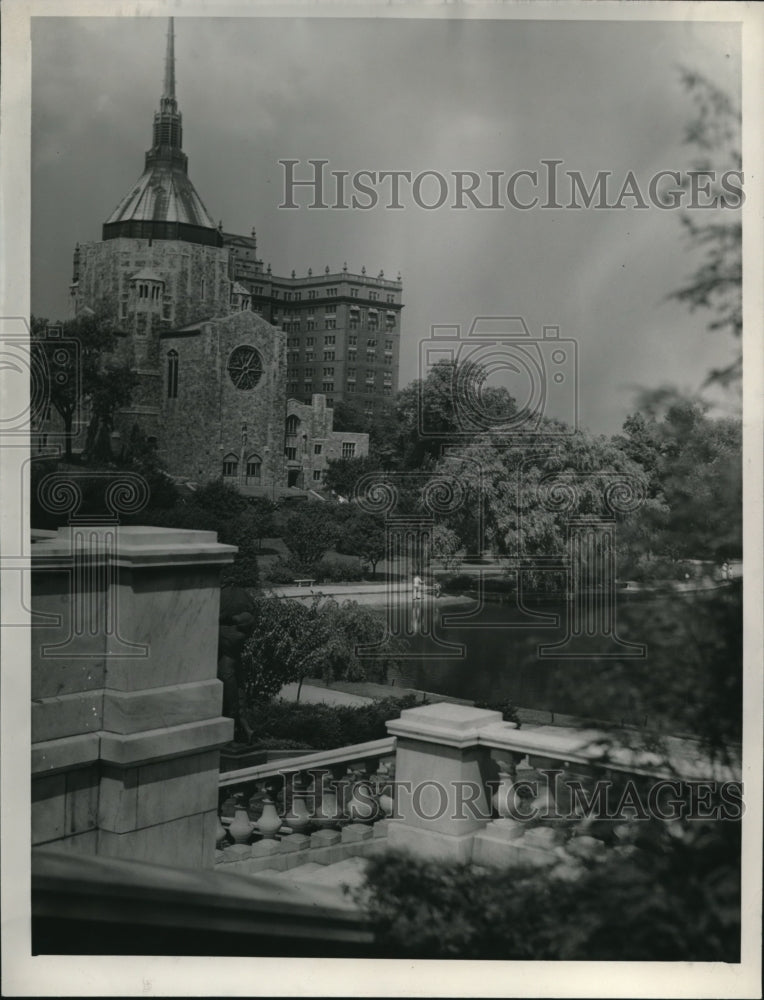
(310, 695)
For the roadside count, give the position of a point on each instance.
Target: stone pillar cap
(136, 545)
(445, 723)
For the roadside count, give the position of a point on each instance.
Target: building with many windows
(343, 330)
(217, 342)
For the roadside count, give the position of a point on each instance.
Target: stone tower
(161, 263)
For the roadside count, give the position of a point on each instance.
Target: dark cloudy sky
(404, 94)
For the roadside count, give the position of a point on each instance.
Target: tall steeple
(164, 203)
(168, 94)
(168, 121)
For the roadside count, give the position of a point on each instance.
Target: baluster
(240, 829)
(362, 808)
(269, 823)
(328, 814)
(298, 816)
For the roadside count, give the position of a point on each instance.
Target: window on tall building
(353, 323)
(310, 324)
(352, 341)
(317, 449)
(328, 371)
(348, 449)
(331, 292)
(352, 354)
(291, 454)
(310, 341)
(368, 409)
(388, 345)
(328, 355)
(351, 386)
(391, 297)
(316, 475)
(354, 293)
(172, 374)
(388, 390)
(329, 340)
(311, 295)
(254, 470)
(351, 373)
(373, 296)
(327, 387)
(230, 466)
(203, 289)
(330, 323)
(309, 355)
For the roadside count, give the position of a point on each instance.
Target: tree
(342, 474)
(72, 378)
(365, 536)
(291, 640)
(447, 547)
(693, 465)
(112, 390)
(310, 532)
(716, 284)
(451, 405)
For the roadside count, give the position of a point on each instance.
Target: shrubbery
(324, 727)
(675, 898)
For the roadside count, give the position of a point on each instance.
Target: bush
(333, 571)
(459, 583)
(324, 727)
(507, 708)
(280, 571)
(676, 898)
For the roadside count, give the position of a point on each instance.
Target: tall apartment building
(343, 330)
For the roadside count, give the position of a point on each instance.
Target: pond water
(503, 661)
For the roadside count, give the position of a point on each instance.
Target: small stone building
(311, 442)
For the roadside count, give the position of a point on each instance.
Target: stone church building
(211, 370)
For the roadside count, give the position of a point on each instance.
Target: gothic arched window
(292, 423)
(172, 374)
(230, 466)
(254, 469)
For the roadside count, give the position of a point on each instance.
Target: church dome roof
(163, 193)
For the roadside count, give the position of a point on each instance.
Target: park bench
(306, 582)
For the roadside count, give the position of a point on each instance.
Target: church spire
(168, 123)
(168, 94)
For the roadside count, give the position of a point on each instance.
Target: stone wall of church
(195, 286)
(211, 421)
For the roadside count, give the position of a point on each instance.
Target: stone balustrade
(320, 807)
(463, 785)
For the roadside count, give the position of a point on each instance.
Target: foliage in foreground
(676, 898)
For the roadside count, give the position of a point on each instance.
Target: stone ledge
(66, 753)
(60, 716)
(129, 712)
(147, 747)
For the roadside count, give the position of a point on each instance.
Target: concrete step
(349, 872)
